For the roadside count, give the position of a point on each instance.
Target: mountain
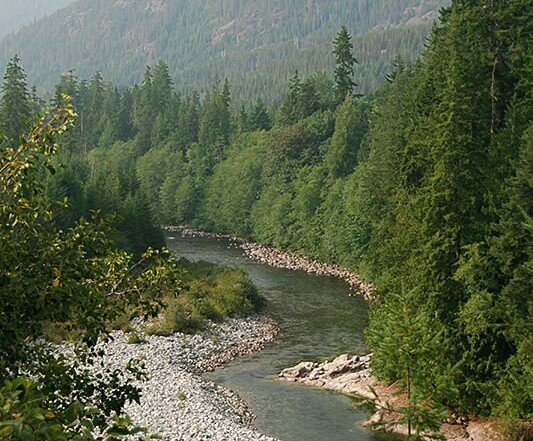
(16, 13)
(256, 43)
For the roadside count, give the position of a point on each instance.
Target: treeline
(423, 187)
(254, 43)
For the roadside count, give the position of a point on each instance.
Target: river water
(318, 320)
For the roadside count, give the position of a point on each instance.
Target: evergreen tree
(125, 116)
(111, 118)
(161, 90)
(344, 64)
(308, 99)
(93, 111)
(414, 353)
(70, 86)
(290, 110)
(350, 127)
(37, 104)
(145, 113)
(241, 120)
(215, 126)
(259, 118)
(15, 108)
(188, 122)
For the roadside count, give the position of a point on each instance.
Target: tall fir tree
(94, 123)
(15, 108)
(350, 127)
(258, 118)
(344, 64)
(290, 110)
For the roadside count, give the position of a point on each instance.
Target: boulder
(299, 371)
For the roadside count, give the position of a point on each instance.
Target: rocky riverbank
(287, 260)
(352, 375)
(177, 403)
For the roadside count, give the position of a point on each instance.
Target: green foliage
(212, 293)
(14, 102)
(443, 127)
(351, 125)
(344, 64)
(28, 412)
(73, 278)
(259, 118)
(413, 352)
(235, 187)
(135, 338)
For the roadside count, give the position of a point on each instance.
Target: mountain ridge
(228, 38)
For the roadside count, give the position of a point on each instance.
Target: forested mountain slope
(16, 13)
(257, 43)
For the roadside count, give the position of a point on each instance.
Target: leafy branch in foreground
(74, 278)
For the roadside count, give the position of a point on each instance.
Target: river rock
(299, 371)
(352, 375)
(340, 374)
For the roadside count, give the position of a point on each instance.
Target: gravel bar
(177, 403)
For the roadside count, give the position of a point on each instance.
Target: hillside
(256, 43)
(17, 13)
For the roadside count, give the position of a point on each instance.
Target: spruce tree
(70, 86)
(413, 352)
(188, 122)
(37, 104)
(308, 99)
(145, 113)
(215, 125)
(94, 122)
(290, 110)
(344, 64)
(161, 90)
(350, 127)
(259, 118)
(14, 104)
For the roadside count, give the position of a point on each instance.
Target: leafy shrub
(135, 338)
(211, 293)
(179, 316)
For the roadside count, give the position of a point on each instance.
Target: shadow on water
(318, 320)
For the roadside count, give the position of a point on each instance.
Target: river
(318, 320)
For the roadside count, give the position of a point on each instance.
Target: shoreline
(286, 260)
(177, 403)
(352, 376)
(347, 375)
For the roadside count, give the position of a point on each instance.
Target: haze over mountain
(256, 43)
(16, 13)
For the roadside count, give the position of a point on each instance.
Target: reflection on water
(318, 320)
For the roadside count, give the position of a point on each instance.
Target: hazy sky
(15, 13)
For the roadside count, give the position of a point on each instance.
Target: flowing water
(318, 320)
